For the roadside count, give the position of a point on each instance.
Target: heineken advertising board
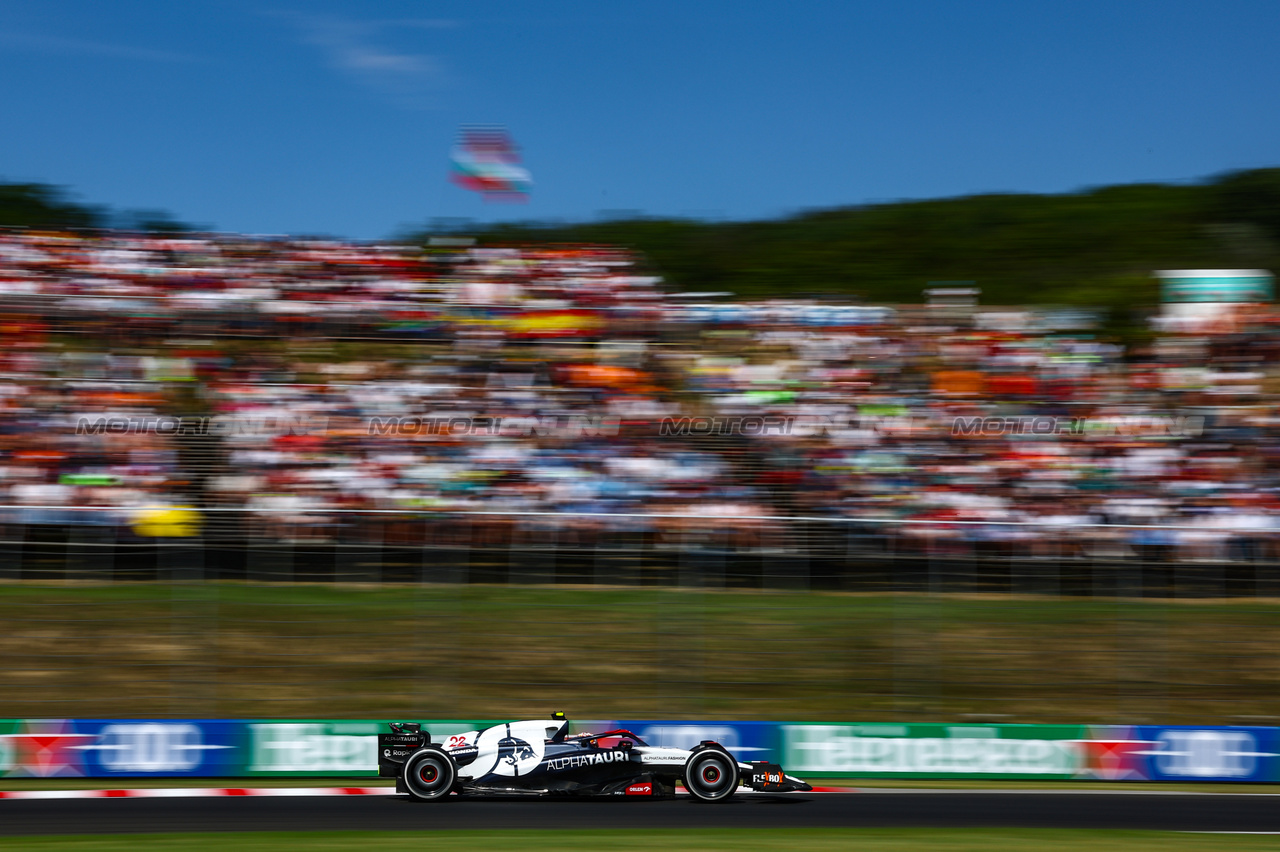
(933, 751)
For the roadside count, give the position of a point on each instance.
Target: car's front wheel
(711, 775)
(429, 774)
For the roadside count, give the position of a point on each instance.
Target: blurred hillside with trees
(1095, 247)
(42, 206)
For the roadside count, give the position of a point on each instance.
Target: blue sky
(338, 117)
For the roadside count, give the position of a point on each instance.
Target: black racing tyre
(711, 775)
(429, 774)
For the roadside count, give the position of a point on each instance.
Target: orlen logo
(645, 789)
(150, 747)
(1208, 754)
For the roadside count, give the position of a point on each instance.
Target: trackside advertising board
(933, 751)
(55, 748)
(196, 748)
(239, 748)
(1186, 753)
(326, 747)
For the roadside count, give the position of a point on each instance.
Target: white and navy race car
(541, 758)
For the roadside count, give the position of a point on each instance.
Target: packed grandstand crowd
(565, 384)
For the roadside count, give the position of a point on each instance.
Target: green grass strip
(903, 839)
(239, 650)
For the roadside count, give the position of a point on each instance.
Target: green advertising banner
(932, 751)
(326, 747)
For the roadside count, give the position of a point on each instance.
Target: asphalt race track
(1163, 811)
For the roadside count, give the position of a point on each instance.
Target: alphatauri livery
(540, 758)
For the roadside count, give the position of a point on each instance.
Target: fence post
(259, 550)
(523, 543)
(376, 527)
(688, 574)
(73, 556)
(11, 547)
(434, 568)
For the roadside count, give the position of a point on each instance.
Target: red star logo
(1113, 760)
(43, 749)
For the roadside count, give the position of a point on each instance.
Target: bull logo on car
(504, 751)
(513, 751)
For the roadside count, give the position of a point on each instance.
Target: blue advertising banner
(131, 747)
(1185, 753)
(62, 748)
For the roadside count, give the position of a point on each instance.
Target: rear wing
(394, 748)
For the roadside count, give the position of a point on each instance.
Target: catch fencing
(284, 540)
(372, 614)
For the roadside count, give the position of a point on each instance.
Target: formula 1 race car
(540, 758)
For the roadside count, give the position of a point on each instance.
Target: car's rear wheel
(429, 774)
(711, 775)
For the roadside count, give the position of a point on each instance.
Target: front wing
(769, 778)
